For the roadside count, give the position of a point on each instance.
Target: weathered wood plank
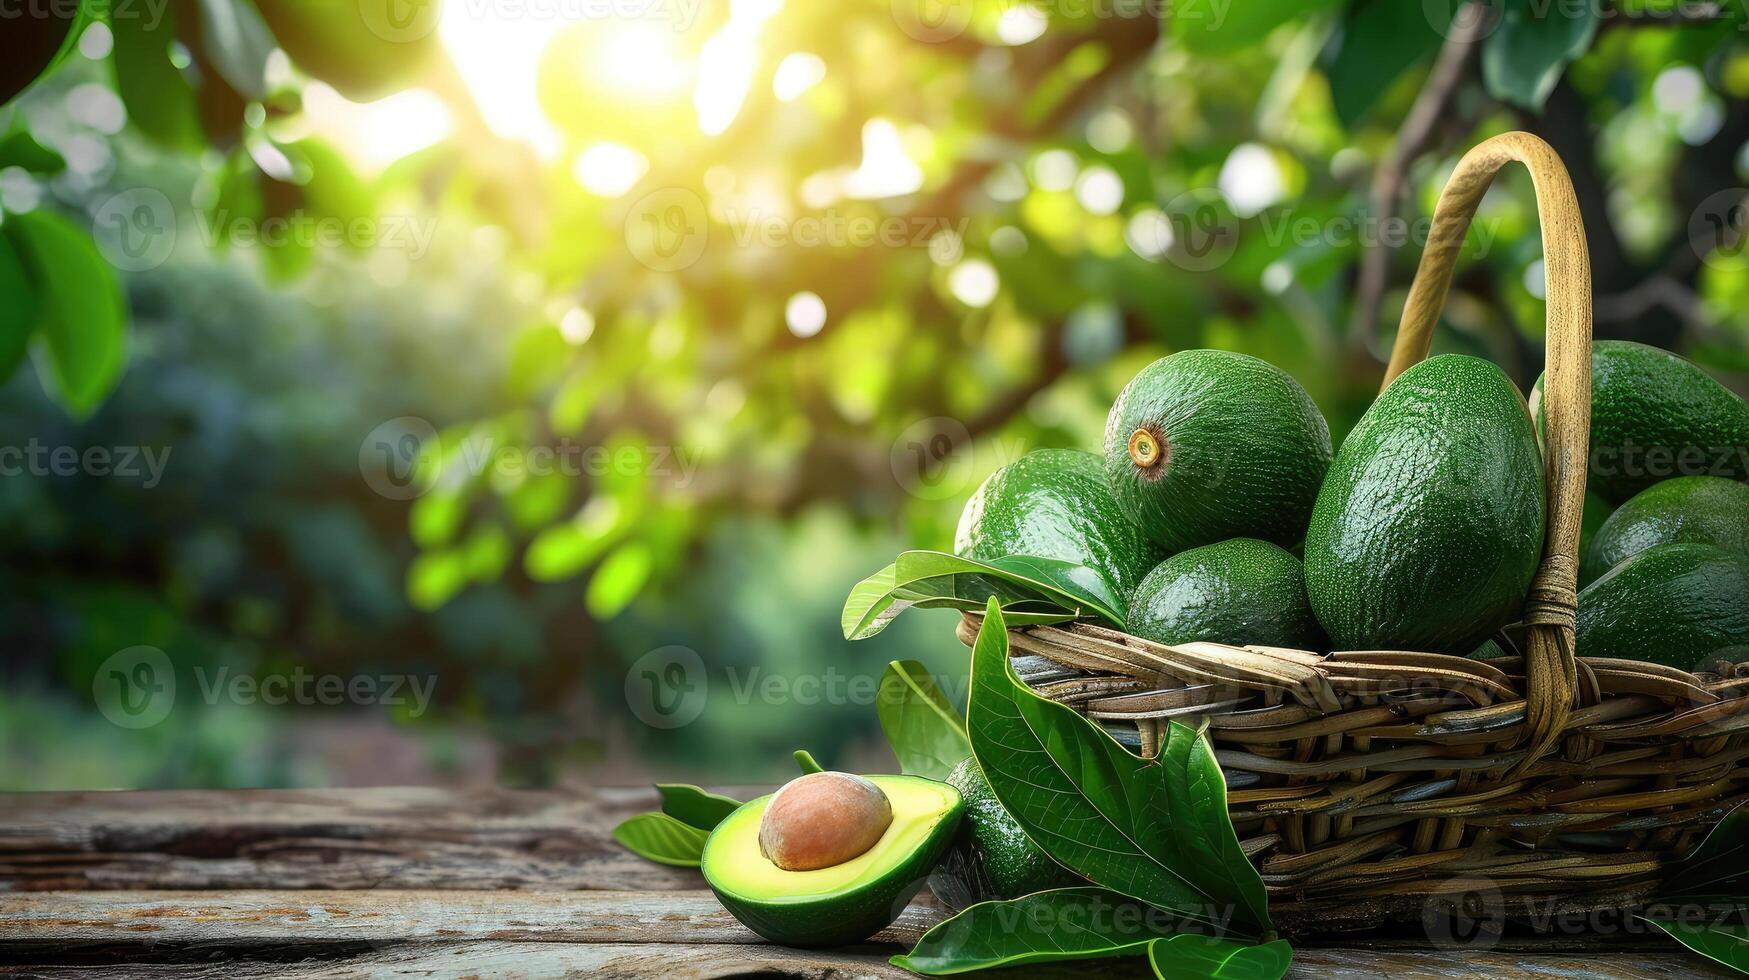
(370, 838)
(676, 962)
(391, 930)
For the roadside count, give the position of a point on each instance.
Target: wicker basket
(1369, 784)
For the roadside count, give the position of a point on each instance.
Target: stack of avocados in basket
(1423, 532)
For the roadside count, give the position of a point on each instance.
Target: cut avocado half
(845, 903)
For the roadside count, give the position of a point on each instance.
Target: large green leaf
(922, 725)
(1524, 57)
(694, 806)
(159, 100)
(18, 308)
(236, 42)
(1380, 39)
(1033, 590)
(1208, 847)
(1210, 28)
(1189, 957)
(661, 838)
(20, 149)
(1724, 943)
(1061, 924)
(1093, 806)
(81, 316)
(1717, 872)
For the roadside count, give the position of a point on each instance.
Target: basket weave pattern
(1367, 780)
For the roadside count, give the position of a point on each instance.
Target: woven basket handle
(1550, 671)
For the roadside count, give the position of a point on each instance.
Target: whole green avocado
(1207, 445)
(1686, 510)
(1242, 592)
(1680, 605)
(992, 858)
(1429, 528)
(1054, 503)
(1656, 415)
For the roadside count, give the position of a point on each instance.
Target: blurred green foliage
(513, 429)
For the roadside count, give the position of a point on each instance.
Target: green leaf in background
(694, 806)
(1216, 28)
(236, 42)
(1380, 39)
(661, 838)
(1524, 57)
(1727, 944)
(921, 723)
(18, 308)
(1187, 957)
(20, 149)
(81, 316)
(1090, 804)
(1060, 924)
(1716, 873)
(1033, 590)
(159, 100)
(805, 761)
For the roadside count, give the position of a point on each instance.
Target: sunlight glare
(727, 63)
(497, 52)
(376, 134)
(886, 170)
(798, 72)
(609, 169)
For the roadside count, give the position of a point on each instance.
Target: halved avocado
(845, 903)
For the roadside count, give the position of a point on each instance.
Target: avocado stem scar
(1147, 449)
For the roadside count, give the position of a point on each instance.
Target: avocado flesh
(1657, 415)
(1241, 592)
(1686, 510)
(845, 903)
(1429, 528)
(1680, 605)
(1054, 503)
(992, 858)
(1242, 451)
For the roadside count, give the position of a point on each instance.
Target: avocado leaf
(805, 761)
(81, 315)
(1123, 822)
(1033, 590)
(1047, 926)
(1722, 942)
(1524, 57)
(694, 806)
(1192, 957)
(1380, 39)
(922, 725)
(1715, 873)
(20, 149)
(661, 838)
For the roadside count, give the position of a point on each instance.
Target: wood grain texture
(1551, 672)
(535, 887)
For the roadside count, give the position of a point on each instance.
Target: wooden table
(437, 883)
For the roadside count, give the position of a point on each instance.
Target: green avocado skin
(1687, 510)
(853, 916)
(1680, 605)
(1054, 503)
(1429, 528)
(1243, 591)
(1656, 415)
(992, 857)
(1245, 450)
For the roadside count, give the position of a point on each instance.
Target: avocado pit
(823, 819)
